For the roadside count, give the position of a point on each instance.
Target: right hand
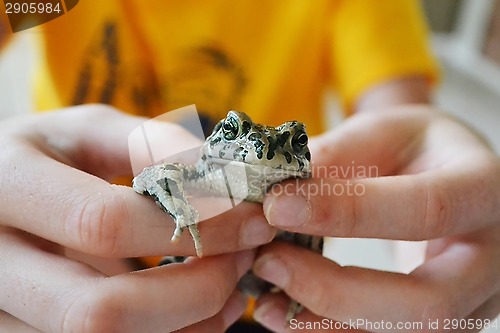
(55, 195)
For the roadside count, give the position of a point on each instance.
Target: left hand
(442, 185)
(54, 198)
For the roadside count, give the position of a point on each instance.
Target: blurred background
(466, 39)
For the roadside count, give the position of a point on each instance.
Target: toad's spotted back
(268, 155)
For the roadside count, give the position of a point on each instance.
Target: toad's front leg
(165, 183)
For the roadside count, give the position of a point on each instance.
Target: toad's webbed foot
(165, 183)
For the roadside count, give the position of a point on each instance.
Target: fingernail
(272, 269)
(244, 261)
(270, 315)
(287, 210)
(234, 308)
(257, 231)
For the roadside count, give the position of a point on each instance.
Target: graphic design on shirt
(202, 75)
(101, 61)
(207, 77)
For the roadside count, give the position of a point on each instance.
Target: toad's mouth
(256, 167)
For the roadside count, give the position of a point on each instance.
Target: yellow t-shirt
(272, 59)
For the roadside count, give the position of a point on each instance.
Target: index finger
(61, 203)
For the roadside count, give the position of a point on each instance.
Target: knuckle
(323, 303)
(437, 305)
(106, 315)
(217, 296)
(96, 222)
(220, 285)
(95, 313)
(347, 217)
(437, 218)
(313, 296)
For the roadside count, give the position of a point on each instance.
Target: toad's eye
(230, 128)
(299, 141)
